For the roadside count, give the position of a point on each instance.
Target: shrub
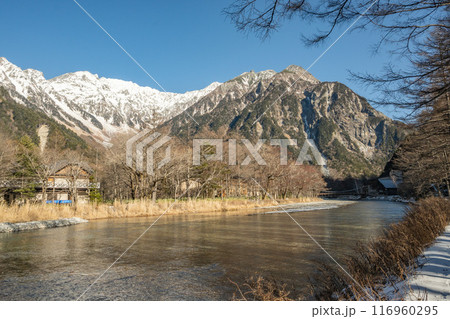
(258, 288)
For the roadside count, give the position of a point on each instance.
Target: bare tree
(425, 83)
(43, 169)
(75, 171)
(403, 24)
(400, 21)
(425, 154)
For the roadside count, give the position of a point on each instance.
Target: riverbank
(141, 208)
(382, 265)
(15, 227)
(431, 281)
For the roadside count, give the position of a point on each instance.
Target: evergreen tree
(27, 159)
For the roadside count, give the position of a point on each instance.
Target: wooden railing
(20, 183)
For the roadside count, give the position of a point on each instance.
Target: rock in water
(15, 227)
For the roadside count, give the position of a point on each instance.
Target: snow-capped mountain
(355, 138)
(92, 105)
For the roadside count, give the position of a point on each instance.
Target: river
(181, 257)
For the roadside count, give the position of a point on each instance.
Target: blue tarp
(59, 202)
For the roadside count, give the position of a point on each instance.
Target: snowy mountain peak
(4, 61)
(266, 74)
(92, 105)
(301, 72)
(99, 107)
(76, 76)
(256, 76)
(10, 68)
(34, 75)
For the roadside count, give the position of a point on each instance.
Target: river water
(181, 257)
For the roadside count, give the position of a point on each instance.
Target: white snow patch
(432, 280)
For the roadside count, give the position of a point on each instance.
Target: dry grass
(388, 259)
(139, 208)
(258, 288)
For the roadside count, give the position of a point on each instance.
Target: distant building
(66, 183)
(69, 180)
(391, 183)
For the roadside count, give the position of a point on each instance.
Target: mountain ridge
(356, 138)
(292, 104)
(92, 105)
(18, 120)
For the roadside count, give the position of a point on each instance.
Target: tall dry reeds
(138, 208)
(258, 288)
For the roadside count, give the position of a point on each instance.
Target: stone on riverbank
(15, 227)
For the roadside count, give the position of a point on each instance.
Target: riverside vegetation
(138, 208)
(381, 263)
(387, 260)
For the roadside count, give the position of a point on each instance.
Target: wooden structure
(66, 183)
(391, 183)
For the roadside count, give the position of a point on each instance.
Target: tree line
(182, 178)
(24, 161)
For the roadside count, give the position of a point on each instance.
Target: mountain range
(95, 106)
(355, 138)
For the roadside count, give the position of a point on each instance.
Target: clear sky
(184, 45)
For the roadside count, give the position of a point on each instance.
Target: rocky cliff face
(355, 138)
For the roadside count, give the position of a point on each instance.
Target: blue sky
(184, 45)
